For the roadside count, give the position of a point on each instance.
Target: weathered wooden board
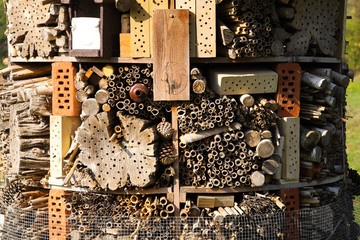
(206, 28)
(290, 128)
(242, 81)
(191, 5)
(140, 28)
(155, 4)
(61, 130)
(113, 163)
(171, 55)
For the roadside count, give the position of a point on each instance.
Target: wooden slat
(171, 55)
(140, 28)
(191, 5)
(206, 28)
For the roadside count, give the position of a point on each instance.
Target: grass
(353, 125)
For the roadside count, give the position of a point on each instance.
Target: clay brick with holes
(64, 91)
(58, 229)
(288, 93)
(291, 200)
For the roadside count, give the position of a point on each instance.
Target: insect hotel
(185, 119)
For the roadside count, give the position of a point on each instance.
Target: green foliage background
(353, 35)
(3, 39)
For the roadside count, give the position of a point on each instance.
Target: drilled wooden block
(58, 228)
(61, 130)
(140, 28)
(64, 91)
(288, 93)
(290, 128)
(191, 6)
(206, 28)
(241, 81)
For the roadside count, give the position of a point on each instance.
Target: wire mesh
(332, 221)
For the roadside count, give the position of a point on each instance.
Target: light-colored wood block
(206, 28)
(241, 81)
(205, 202)
(155, 4)
(224, 201)
(191, 5)
(125, 44)
(61, 130)
(140, 28)
(289, 127)
(171, 55)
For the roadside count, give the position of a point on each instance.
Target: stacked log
(24, 121)
(37, 28)
(322, 140)
(237, 221)
(95, 216)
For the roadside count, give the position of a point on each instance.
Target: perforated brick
(58, 228)
(64, 91)
(288, 93)
(291, 200)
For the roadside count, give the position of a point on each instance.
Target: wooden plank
(171, 55)
(191, 5)
(140, 28)
(206, 28)
(61, 130)
(155, 4)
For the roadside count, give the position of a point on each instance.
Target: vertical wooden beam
(176, 165)
(171, 55)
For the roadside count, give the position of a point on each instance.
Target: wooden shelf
(192, 60)
(126, 192)
(81, 59)
(190, 189)
(300, 59)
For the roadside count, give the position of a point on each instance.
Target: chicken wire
(332, 221)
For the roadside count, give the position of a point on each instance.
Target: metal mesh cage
(332, 221)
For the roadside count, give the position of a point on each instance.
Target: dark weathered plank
(171, 55)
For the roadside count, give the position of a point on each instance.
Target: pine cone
(165, 130)
(167, 153)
